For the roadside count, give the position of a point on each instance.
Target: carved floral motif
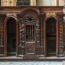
(50, 14)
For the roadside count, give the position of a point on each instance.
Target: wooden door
(30, 37)
(11, 37)
(51, 37)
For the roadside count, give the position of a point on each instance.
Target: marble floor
(32, 63)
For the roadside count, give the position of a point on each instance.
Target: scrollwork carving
(30, 19)
(50, 14)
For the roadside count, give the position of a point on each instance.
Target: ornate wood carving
(30, 19)
(30, 40)
(61, 45)
(11, 14)
(2, 33)
(40, 45)
(21, 38)
(38, 32)
(50, 13)
(29, 16)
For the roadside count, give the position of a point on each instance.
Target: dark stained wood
(36, 28)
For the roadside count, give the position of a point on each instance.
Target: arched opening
(51, 37)
(11, 37)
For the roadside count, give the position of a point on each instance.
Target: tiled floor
(31, 63)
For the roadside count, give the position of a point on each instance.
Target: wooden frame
(44, 25)
(5, 35)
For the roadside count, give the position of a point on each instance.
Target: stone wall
(33, 2)
(61, 2)
(8, 2)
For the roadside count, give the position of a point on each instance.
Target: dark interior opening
(51, 36)
(11, 37)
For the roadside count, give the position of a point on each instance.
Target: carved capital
(11, 14)
(50, 14)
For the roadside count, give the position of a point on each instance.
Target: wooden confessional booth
(32, 32)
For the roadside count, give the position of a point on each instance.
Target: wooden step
(51, 54)
(11, 53)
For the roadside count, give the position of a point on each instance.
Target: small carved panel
(30, 48)
(30, 19)
(51, 14)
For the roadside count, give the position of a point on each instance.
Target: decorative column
(61, 45)
(40, 47)
(21, 44)
(32, 2)
(2, 17)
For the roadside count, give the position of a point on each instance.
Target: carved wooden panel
(30, 36)
(21, 44)
(61, 47)
(38, 33)
(30, 48)
(1, 37)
